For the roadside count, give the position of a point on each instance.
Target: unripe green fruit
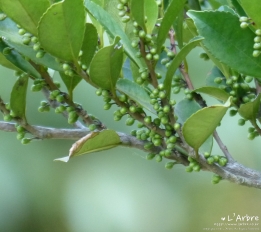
(20, 129)
(34, 39)
(158, 158)
(98, 92)
(257, 45)
(161, 86)
(130, 121)
(218, 80)
(123, 110)
(251, 129)
(210, 160)
(139, 81)
(134, 43)
(142, 34)
(40, 54)
(206, 154)
(150, 156)
(72, 117)
(144, 75)
(8, 118)
(37, 46)
(133, 109)
(162, 94)
(105, 93)
(166, 109)
(176, 90)
(120, 6)
(196, 168)
(251, 135)
(189, 96)
(122, 13)
(243, 19)
(153, 51)
(172, 139)
(135, 24)
(36, 88)
(241, 122)
(176, 126)
(257, 39)
(149, 56)
(233, 93)
(216, 179)
(222, 161)
(246, 99)
(148, 38)
(20, 135)
(21, 31)
(140, 125)
(171, 54)
(117, 118)
(258, 32)
(55, 93)
(164, 61)
(26, 40)
(155, 57)
(170, 146)
(147, 119)
(229, 81)
(167, 65)
(148, 146)
(244, 25)
(164, 120)
(125, 19)
(204, 56)
(256, 53)
(216, 158)
(41, 109)
(25, 141)
(157, 142)
(7, 51)
(92, 127)
(107, 106)
(248, 79)
(189, 169)
(60, 98)
(232, 113)
(235, 86)
(169, 165)
(244, 86)
(156, 106)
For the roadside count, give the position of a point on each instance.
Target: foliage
(140, 68)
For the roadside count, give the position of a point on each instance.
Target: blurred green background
(116, 190)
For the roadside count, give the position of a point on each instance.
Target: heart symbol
(223, 218)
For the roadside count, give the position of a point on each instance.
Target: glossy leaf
(238, 8)
(135, 92)
(70, 82)
(215, 92)
(138, 12)
(8, 30)
(106, 66)
(26, 13)
(15, 61)
(61, 29)
(113, 29)
(200, 125)
(171, 13)
(177, 61)
(184, 109)
(151, 12)
(89, 44)
(250, 110)
(178, 27)
(18, 97)
(93, 142)
(226, 43)
(253, 9)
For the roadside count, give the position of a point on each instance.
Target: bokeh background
(116, 190)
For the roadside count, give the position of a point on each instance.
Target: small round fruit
(107, 106)
(258, 32)
(210, 160)
(169, 165)
(256, 53)
(248, 79)
(218, 80)
(251, 135)
(244, 25)
(243, 19)
(142, 34)
(241, 122)
(130, 121)
(257, 39)
(158, 158)
(40, 54)
(150, 156)
(25, 141)
(176, 126)
(232, 113)
(8, 118)
(206, 154)
(222, 161)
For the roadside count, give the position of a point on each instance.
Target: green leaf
(17, 62)
(93, 142)
(61, 29)
(226, 43)
(26, 13)
(215, 92)
(177, 61)
(253, 9)
(151, 12)
(184, 109)
(238, 8)
(249, 110)
(200, 125)
(178, 28)
(106, 66)
(138, 12)
(9, 31)
(113, 29)
(173, 10)
(6, 63)
(18, 97)
(135, 92)
(215, 4)
(194, 4)
(89, 44)
(70, 82)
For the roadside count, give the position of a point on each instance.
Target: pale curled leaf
(93, 142)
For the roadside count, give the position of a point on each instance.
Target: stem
(253, 122)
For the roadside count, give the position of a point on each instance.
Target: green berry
(241, 122)
(120, 6)
(210, 160)
(257, 39)
(20, 135)
(60, 98)
(149, 56)
(218, 80)
(26, 40)
(142, 34)
(92, 127)
(21, 31)
(147, 119)
(222, 161)
(164, 120)
(157, 142)
(216, 179)
(155, 57)
(40, 54)
(169, 165)
(20, 129)
(257, 45)
(36, 88)
(176, 126)
(246, 99)
(8, 118)
(162, 94)
(171, 54)
(176, 90)
(232, 113)
(134, 43)
(164, 61)
(189, 169)
(256, 53)
(251, 135)
(251, 129)
(72, 117)
(130, 121)
(150, 156)
(158, 158)
(34, 39)
(248, 79)
(37, 46)
(244, 25)
(25, 141)
(122, 13)
(258, 32)
(206, 154)
(148, 146)
(196, 168)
